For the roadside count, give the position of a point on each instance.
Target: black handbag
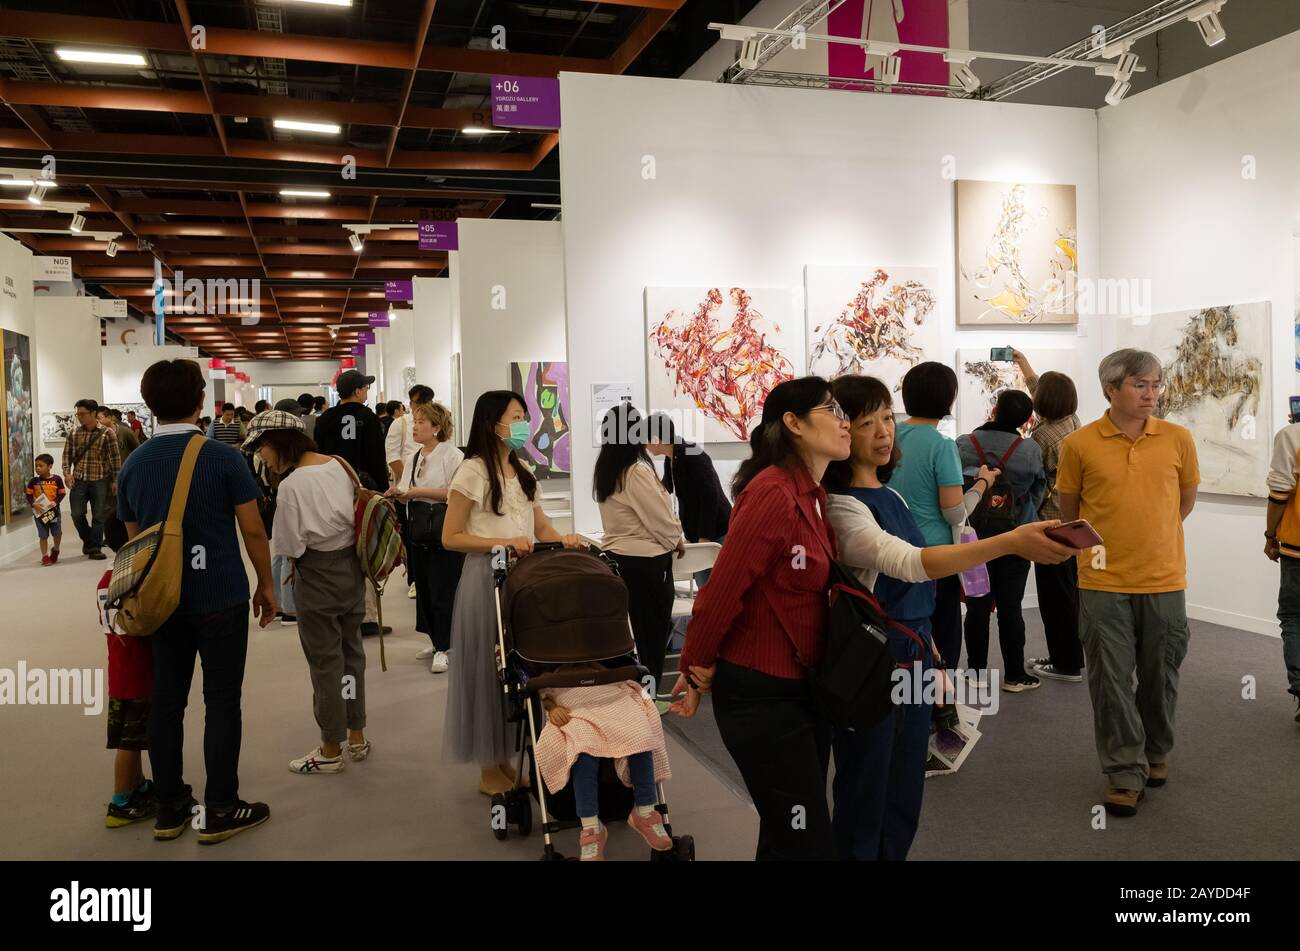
(425, 518)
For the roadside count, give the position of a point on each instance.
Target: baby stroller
(562, 606)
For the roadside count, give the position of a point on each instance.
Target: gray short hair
(1122, 364)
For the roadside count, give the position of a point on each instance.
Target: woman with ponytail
(760, 622)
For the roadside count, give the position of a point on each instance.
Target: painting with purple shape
(544, 385)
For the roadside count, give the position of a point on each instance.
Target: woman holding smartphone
(1056, 403)
(491, 505)
(880, 773)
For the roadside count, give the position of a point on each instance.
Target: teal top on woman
(930, 460)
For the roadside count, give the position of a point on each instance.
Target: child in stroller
(587, 723)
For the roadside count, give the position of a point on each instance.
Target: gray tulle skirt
(475, 727)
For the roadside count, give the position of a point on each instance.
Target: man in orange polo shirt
(1133, 477)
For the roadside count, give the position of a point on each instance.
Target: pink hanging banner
(921, 22)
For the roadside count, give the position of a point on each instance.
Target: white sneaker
(426, 654)
(358, 751)
(410, 592)
(316, 762)
(440, 661)
(978, 678)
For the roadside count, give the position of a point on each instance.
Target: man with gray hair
(1133, 476)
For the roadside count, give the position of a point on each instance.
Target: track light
(35, 196)
(78, 222)
(969, 81)
(1125, 66)
(111, 250)
(1206, 18)
(891, 67)
(356, 242)
(749, 53)
(1118, 90)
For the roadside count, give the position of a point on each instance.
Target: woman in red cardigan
(760, 622)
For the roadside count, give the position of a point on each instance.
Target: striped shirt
(1049, 436)
(96, 453)
(765, 604)
(230, 433)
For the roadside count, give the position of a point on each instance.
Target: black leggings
(650, 596)
(782, 745)
(436, 573)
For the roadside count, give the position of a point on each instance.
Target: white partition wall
(16, 314)
(69, 364)
(1201, 195)
(675, 183)
(431, 335)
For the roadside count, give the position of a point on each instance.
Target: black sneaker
(371, 628)
(1021, 684)
(96, 555)
(1297, 709)
(143, 804)
(172, 820)
(245, 815)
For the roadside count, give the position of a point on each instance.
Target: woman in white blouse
(880, 773)
(426, 477)
(492, 504)
(640, 531)
(314, 529)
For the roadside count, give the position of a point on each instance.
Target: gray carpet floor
(1030, 787)
(401, 803)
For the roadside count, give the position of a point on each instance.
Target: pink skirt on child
(609, 720)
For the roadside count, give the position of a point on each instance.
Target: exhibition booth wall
(431, 336)
(691, 185)
(1201, 194)
(69, 364)
(18, 403)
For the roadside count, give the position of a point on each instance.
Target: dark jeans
(1288, 613)
(1007, 576)
(1058, 602)
(436, 572)
(946, 620)
(880, 773)
(220, 640)
(781, 743)
(650, 606)
(585, 776)
(95, 494)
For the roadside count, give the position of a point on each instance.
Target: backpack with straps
(997, 511)
(379, 542)
(146, 586)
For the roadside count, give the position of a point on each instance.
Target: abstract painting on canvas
(877, 320)
(1216, 383)
(714, 353)
(1017, 257)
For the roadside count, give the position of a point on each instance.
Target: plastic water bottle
(974, 581)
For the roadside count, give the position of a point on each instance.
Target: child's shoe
(46, 561)
(651, 828)
(592, 843)
(143, 804)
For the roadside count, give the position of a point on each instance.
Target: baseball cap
(351, 380)
(263, 423)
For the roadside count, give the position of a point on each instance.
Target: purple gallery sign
(358, 350)
(366, 336)
(439, 236)
(378, 318)
(398, 290)
(526, 102)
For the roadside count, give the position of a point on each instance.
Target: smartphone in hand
(1076, 534)
(1002, 354)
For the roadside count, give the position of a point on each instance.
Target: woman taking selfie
(491, 504)
(314, 528)
(761, 620)
(880, 773)
(426, 477)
